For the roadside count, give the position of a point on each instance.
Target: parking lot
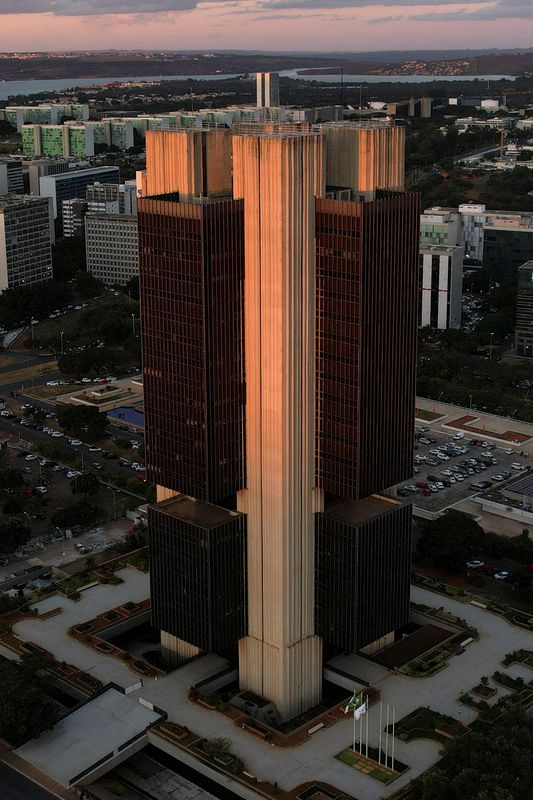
(448, 467)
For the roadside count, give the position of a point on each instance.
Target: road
(14, 786)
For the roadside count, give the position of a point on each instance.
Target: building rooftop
(196, 512)
(12, 200)
(356, 512)
(523, 485)
(440, 248)
(89, 735)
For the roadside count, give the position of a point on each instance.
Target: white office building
(26, 238)
(441, 286)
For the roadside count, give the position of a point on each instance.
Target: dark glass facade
(362, 571)
(366, 287)
(505, 250)
(198, 572)
(191, 278)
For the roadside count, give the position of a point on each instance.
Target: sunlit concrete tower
(267, 89)
(279, 313)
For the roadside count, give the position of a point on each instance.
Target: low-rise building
(74, 212)
(26, 237)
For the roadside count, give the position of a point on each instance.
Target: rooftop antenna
(342, 87)
(192, 100)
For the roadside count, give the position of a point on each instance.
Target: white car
(56, 434)
(73, 473)
(52, 383)
(95, 449)
(86, 380)
(517, 467)
(509, 452)
(501, 576)
(458, 436)
(475, 564)
(75, 442)
(31, 457)
(41, 489)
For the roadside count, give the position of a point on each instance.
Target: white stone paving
(314, 760)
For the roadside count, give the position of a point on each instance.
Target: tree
(451, 539)
(81, 513)
(495, 764)
(27, 708)
(82, 419)
(11, 478)
(13, 534)
(86, 484)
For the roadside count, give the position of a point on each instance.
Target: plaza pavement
(314, 760)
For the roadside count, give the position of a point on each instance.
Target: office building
(40, 168)
(508, 234)
(72, 184)
(74, 212)
(441, 286)
(103, 198)
(111, 247)
(507, 244)
(442, 228)
(524, 311)
(26, 238)
(11, 177)
(267, 89)
(279, 339)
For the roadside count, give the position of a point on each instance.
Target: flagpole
(361, 735)
(380, 727)
(353, 747)
(367, 715)
(387, 738)
(393, 721)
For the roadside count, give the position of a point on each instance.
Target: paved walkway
(313, 760)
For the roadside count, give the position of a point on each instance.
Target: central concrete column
(279, 174)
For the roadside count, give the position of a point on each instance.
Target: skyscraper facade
(279, 339)
(267, 89)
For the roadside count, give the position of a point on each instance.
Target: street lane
(14, 786)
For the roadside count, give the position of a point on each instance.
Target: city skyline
(293, 24)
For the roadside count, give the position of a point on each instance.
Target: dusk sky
(264, 24)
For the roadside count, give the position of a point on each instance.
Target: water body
(9, 88)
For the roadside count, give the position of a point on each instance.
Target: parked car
(475, 564)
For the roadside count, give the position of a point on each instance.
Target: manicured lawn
(427, 416)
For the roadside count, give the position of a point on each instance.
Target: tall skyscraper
(279, 340)
(267, 89)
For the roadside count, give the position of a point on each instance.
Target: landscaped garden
(424, 723)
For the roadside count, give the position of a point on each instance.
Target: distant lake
(8, 88)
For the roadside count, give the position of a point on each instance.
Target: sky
(349, 25)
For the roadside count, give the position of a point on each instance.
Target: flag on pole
(357, 705)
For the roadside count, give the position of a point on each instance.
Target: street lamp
(490, 351)
(133, 323)
(62, 346)
(470, 403)
(114, 501)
